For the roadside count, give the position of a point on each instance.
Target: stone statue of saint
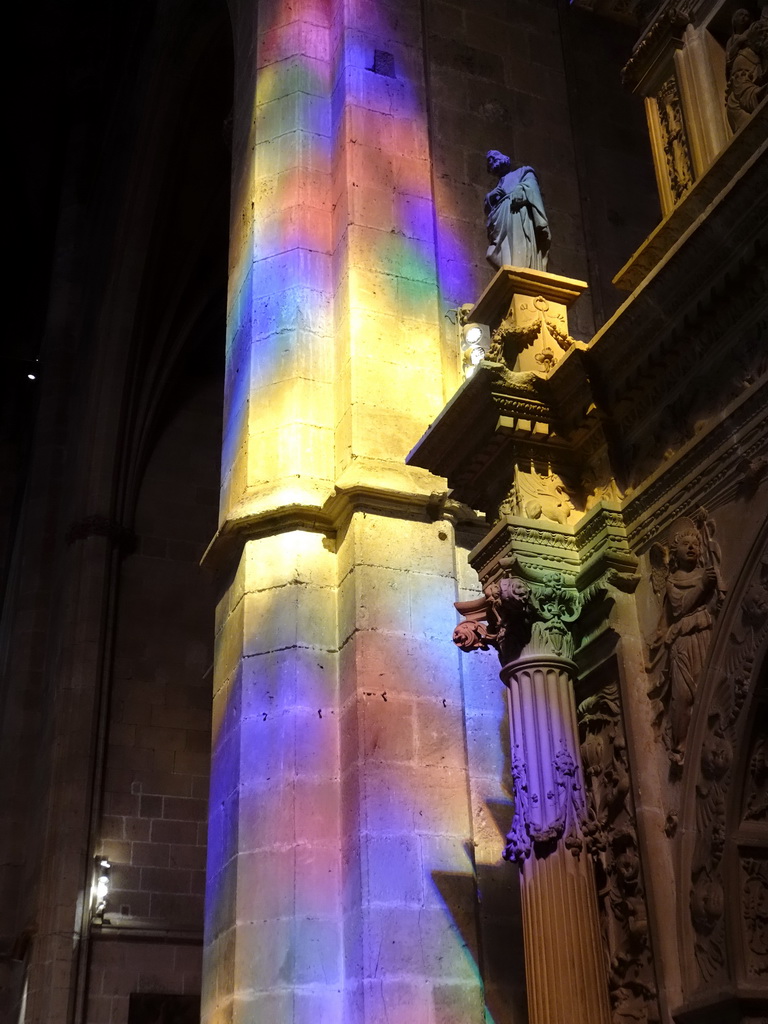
(518, 230)
(746, 67)
(693, 593)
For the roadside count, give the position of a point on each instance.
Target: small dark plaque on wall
(161, 1008)
(383, 63)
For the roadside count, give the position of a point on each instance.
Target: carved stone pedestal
(527, 314)
(563, 954)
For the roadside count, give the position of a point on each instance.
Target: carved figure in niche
(740, 22)
(755, 903)
(746, 68)
(604, 754)
(611, 840)
(518, 229)
(707, 907)
(693, 593)
(757, 782)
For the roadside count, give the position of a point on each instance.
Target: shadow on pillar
(495, 932)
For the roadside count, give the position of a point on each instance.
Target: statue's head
(686, 550)
(497, 163)
(741, 20)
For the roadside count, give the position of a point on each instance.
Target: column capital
(523, 614)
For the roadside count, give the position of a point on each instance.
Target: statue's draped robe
(682, 640)
(745, 89)
(518, 232)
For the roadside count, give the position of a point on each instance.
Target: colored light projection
(334, 236)
(334, 299)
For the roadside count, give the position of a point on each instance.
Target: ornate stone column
(519, 441)
(528, 621)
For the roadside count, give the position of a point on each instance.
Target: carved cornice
(225, 549)
(628, 12)
(705, 472)
(660, 39)
(714, 274)
(119, 536)
(532, 544)
(691, 338)
(748, 141)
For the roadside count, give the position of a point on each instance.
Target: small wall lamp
(475, 340)
(100, 891)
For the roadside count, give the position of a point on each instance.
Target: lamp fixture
(474, 338)
(100, 890)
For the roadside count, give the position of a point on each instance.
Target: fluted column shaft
(565, 967)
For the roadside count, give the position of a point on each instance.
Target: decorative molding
(754, 900)
(653, 49)
(225, 548)
(118, 535)
(715, 775)
(674, 139)
(697, 474)
(613, 843)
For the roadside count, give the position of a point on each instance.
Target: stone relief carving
(536, 823)
(686, 574)
(612, 841)
(707, 900)
(670, 21)
(539, 324)
(715, 775)
(746, 66)
(754, 901)
(599, 484)
(518, 618)
(756, 796)
(518, 229)
(536, 496)
(674, 139)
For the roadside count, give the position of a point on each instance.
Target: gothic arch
(719, 860)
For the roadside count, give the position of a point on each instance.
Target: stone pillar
(273, 948)
(339, 797)
(563, 952)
